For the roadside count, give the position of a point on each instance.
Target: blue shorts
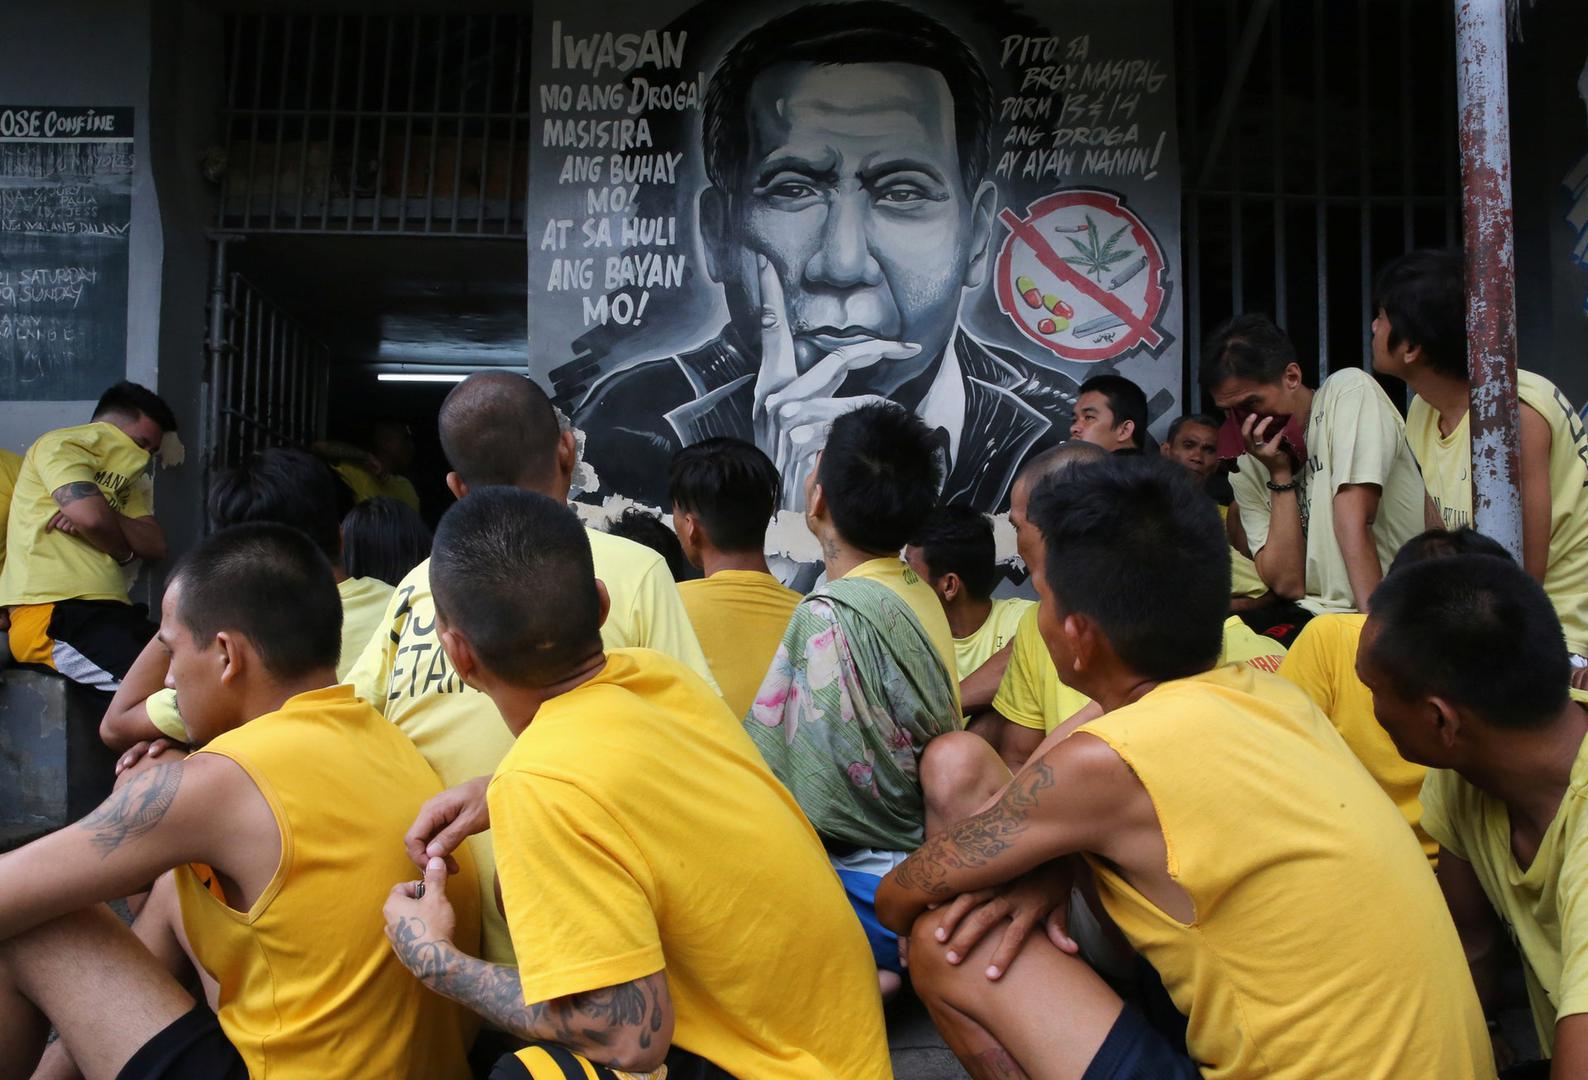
(861, 889)
(1134, 1050)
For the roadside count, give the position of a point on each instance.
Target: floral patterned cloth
(854, 694)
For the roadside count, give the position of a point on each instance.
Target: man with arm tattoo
(1232, 837)
(80, 517)
(274, 844)
(667, 901)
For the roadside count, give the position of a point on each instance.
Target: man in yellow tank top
(295, 803)
(667, 901)
(1232, 837)
(1468, 671)
(723, 493)
(1419, 335)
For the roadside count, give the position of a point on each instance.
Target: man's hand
(420, 920)
(446, 820)
(62, 524)
(792, 409)
(1039, 898)
(1268, 449)
(141, 750)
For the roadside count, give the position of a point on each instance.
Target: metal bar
(1230, 98)
(435, 120)
(217, 352)
(1227, 107)
(236, 321)
(408, 134)
(485, 124)
(1452, 139)
(1364, 185)
(1310, 198)
(1408, 228)
(463, 101)
(512, 131)
(1193, 230)
(385, 101)
(229, 124)
(1488, 227)
(1321, 213)
(303, 142)
(1276, 75)
(268, 411)
(281, 103)
(253, 138)
(330, 135)
(358, 123)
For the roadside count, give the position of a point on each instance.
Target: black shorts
(1135, 1051)
(681, 1065)
(191, 1046)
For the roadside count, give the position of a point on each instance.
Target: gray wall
(161, 57)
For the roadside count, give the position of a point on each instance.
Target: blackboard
(65, 215)
(1004, 198)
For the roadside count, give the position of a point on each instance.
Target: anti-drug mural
(965, 208)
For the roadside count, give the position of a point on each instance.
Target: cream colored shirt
(1354, 436)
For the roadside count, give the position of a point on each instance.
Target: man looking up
(667, 899)
(297, 799)
(1468, 670)
(1420, 335)
(864, 678)
(1327, 489)
(1280, 944)
(1111, 412)
(953, 551)
(498, 428)
(280, 485)
(724, 492)
(80, 515)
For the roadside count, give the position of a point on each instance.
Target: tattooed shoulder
(134, 810)
(76, 491)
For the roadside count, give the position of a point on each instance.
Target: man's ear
(567, 458)
(606, 601)
(456, 485)
(1410, 354)
(232, 656)
(1128, 429)
(1080, 636)
(1163, 450)
(460, 654)
(949, 586)
(712, 220)
(1292, 377)
(1448, 721)
(816, 505)
(983, 209)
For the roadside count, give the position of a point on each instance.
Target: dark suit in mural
(848, 205)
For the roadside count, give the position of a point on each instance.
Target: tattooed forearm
(76, 491)
(134, 810)
(977, 840)
(617, 1026)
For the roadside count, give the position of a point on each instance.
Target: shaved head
(1058, 460)
(499, 427)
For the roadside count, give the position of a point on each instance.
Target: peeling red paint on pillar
(1488, 235)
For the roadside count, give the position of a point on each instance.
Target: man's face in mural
(852, 190)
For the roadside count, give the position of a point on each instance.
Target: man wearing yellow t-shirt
(80, 514)
(1326, 487)
(724, 492)
(10, 466)
(1197, 801)
(1468, 670)
(296, 801)
(499, 428)
(377, 473)
(669, 903)
(1419, 335)
(953, 551)
(281, 485)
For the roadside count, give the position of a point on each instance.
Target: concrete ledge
(53, 768)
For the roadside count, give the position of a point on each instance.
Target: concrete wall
(162, 58)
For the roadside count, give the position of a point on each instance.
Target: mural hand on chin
(792, 409)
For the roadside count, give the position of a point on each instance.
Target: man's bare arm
(1355, 509)
(145, 536)
(1482, 935)
(628, 1026)
(126, 720)
(1571, 1048)
(977, 690)
(92, 520)
(1537, 500)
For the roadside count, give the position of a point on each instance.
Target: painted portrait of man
(848, 210)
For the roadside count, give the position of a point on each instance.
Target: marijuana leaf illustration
(1097, 257)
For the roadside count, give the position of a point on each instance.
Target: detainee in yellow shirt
(81, 515)
(1419, 335)
(1232, 836)
(281, 485)
(1468, 670)
(642, 840)
(10, 465)
(724, 492)
(498, 428)
(297, 798)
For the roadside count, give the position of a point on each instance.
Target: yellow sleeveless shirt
(1321, 947)
(309, 985)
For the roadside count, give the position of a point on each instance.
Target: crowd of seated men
(511, 802)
